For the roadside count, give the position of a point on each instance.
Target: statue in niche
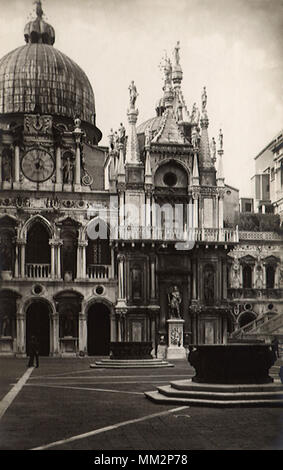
(133, 94)
(68, 324)
(5, 325)
(174, 301)
(68, 168)
(6, 167)
(208, 287)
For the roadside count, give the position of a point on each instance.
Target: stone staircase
(268, 325)
(131, 364)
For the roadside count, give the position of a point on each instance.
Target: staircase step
(191, 393)
(163, 399)
(131, 364)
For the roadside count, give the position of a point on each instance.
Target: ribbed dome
(39, 77)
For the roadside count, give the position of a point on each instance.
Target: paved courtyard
(66, 405)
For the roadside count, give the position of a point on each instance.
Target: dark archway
(246, 317)
(98, 330)
(38, 325)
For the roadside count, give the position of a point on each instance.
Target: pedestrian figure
(33, 352)
(281, 374)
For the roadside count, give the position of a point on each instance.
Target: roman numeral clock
(37, 165)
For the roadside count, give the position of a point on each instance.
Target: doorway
(98, 330)
(38, 325)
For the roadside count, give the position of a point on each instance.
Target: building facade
(108, 244)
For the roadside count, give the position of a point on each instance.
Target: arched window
(69, 252)
(247, 276)
(270, 277)
(38, 249)
(98, 249)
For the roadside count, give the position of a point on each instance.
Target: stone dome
(37, 77)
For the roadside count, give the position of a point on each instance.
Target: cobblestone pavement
(66, 405)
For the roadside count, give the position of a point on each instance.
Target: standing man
(33, 352)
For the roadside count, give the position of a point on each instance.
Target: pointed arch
(37, 218)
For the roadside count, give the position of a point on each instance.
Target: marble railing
(138, 232)
(266, 236)
(98, 271)
(37, 271)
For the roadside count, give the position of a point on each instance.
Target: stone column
(16, 260)
(52, 244)
(121, 277)
(81, 259)
(152, 277)
(58, 166)
(220, 211)
(21, 337)
(58, 273)
(194, 289)
(22, 244)
(82, 333)
(55, 333)
(78, 166)
(17, 164)
(113, 327)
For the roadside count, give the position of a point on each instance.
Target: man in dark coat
(33, 352)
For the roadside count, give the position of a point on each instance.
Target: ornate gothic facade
(108, 244)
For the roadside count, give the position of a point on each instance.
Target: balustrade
(138, 232)
(98, 271)
(38, 271)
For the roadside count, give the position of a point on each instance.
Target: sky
(233, 47)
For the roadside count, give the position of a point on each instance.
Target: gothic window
(270, 277)
(209, 284)
(69, 248)
(247, 276)
(38, 249)
(98, 249)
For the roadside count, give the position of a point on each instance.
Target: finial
(133, 94)
(39, 11)
(220, 138)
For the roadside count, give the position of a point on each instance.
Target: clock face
(37, 165)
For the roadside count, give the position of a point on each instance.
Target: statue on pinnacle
(133, 94)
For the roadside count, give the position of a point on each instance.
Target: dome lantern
(38, 31)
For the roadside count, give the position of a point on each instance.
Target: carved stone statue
(111, 139)
(122, 133)
(213, 149)
(204, 99)
(174, 300)
(133, 94)
(177, 53)
(68, 171)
